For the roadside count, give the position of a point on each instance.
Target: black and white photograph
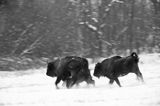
(79, 52)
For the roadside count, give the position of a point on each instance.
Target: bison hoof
(57, 87)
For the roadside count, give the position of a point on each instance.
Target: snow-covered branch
(90, 26)
(111, 3)
(95, 20)
(106, 42)
(32, 46)
(118, 1)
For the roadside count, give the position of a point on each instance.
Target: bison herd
(74, 70)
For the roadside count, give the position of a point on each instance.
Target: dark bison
(71, 69)
(117, 66)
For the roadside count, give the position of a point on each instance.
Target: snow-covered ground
(34, 88)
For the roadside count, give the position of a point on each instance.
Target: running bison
(117, 66)
(70, 69)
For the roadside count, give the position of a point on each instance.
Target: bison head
(51, 69)
(97, 70)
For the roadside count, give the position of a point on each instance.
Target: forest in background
(33, 31)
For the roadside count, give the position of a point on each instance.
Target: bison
(70, 69)
(117, 66)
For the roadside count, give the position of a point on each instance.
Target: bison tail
(134, 54)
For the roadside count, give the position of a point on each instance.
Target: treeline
(89, 28)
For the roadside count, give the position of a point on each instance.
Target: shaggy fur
(117, 66)
(71, 69)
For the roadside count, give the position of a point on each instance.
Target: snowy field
(34, 88)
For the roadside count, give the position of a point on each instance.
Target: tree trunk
(79, 30)
(131, 25)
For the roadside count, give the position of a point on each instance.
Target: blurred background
(33, 31)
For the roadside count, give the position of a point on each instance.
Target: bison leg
(117, 81)
(139, 76)
(57, 81)
(73, 80)
(68, 82)
(90, 81)
(111, 81)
